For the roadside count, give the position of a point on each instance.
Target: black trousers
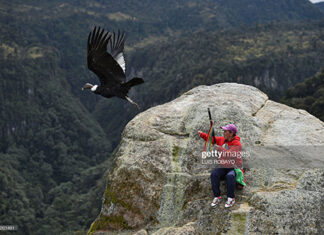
(220, 173)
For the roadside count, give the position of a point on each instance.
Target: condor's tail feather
(133, 82)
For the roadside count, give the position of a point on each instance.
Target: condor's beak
(87, 86)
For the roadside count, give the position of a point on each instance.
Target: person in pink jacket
(232, 145)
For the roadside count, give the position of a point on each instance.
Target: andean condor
(109, 65)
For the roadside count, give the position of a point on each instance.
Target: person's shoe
(215, 201)
(230, 202)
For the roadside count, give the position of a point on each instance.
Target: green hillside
(271, 57)
(51, 147)
(308, 95)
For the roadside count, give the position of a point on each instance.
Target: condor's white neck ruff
(94, 88)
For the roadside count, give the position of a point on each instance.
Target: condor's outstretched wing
(116, 43)
(100, 61)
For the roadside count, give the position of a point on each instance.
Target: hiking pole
(210, 132)
(213, 133)
(210, 119)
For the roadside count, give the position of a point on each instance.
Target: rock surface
(158, 184)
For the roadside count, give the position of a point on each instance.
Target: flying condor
(109, 65)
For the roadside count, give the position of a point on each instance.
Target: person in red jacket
(232, 146)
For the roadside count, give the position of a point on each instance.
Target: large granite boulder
(158, 184)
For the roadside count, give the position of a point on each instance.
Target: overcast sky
(317, 1)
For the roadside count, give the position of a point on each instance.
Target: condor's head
(89, 86)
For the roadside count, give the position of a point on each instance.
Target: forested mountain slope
(308, 95)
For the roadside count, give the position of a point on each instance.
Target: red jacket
(234, 146)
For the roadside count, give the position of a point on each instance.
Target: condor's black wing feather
(116, 43)
(100, 61)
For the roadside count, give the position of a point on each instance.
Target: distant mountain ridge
(163, 16)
